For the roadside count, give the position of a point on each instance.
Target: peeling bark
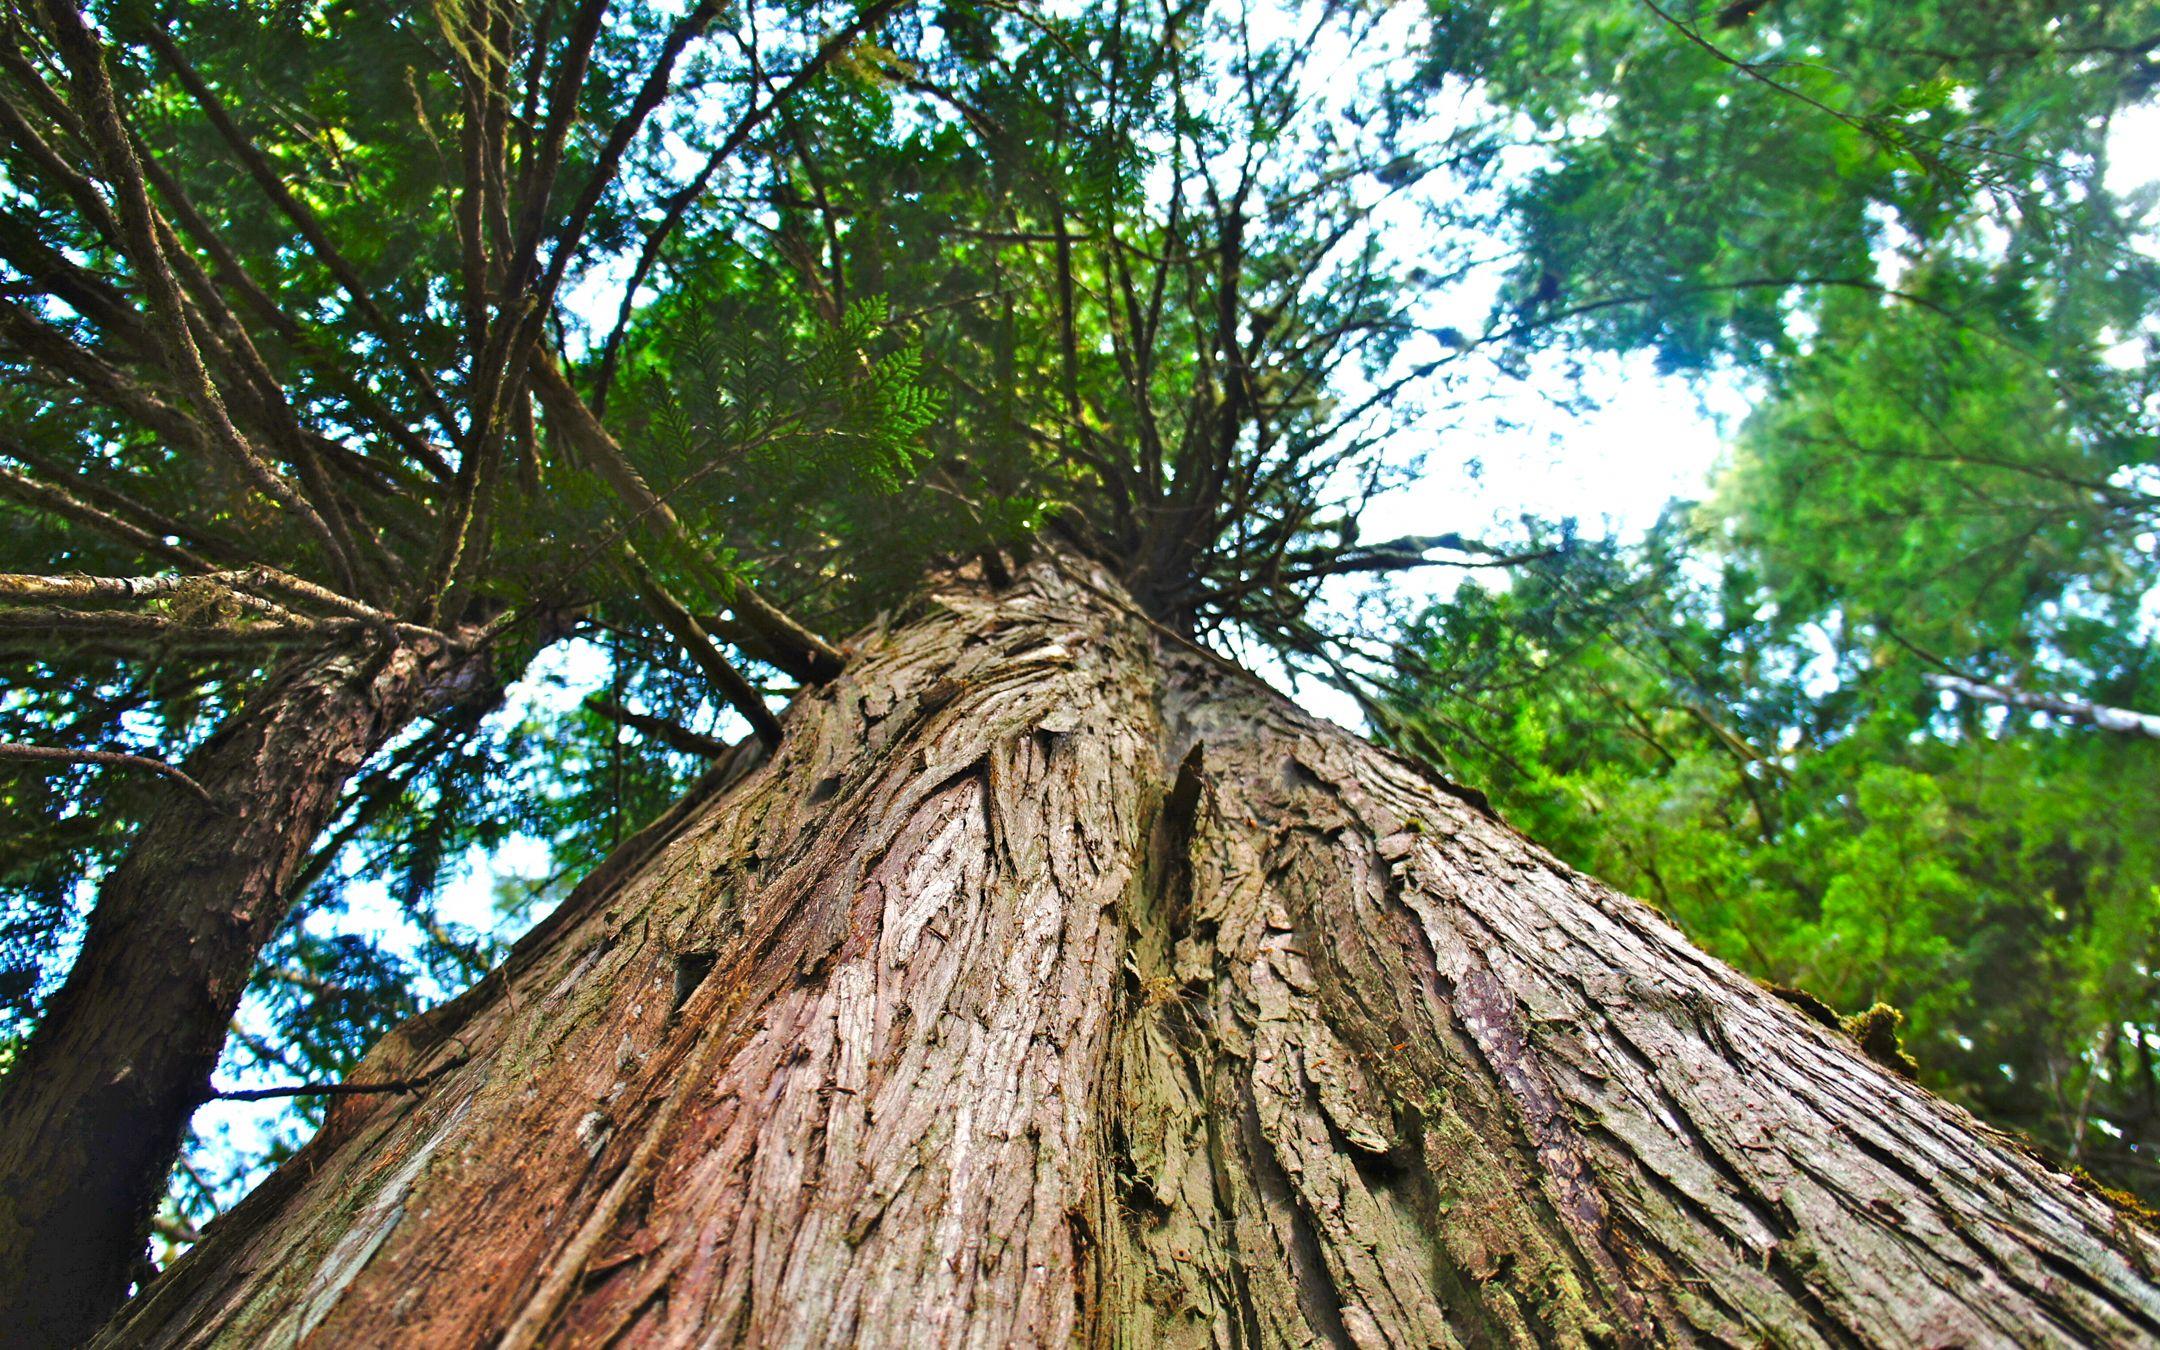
(1054, 981)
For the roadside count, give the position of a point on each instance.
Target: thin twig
(400, 1085)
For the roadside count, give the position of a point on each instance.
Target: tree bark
(94, 1109)
(1055, 981)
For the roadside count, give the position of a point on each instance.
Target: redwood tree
(1055, 980)
(1039, 926)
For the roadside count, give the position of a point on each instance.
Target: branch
(174, 1230)
(684, 628)
(671, 734)
(536, 177)
(2119, 720)
(63, 170)
(685, 30)
(51, 626)
(25, 588)
(42, 629)
(1396, 555)
(497, 377)
(303, 219)
(237, 585)
(782, 641)
(1870, 126)
(81, 289)
(65, 504)
(85, 58)
(115, 759)
(400, 1085)
(259, 399)
(234, 273)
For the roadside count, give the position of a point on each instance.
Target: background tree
(1820, 818)
(1774, 718)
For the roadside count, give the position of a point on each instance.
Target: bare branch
(25, 588)
(61, 502)
(116, 759)
(398, 1085)
(674, 735)
(147, 632)
(237, 586)
(685, 629)
(2122, 721)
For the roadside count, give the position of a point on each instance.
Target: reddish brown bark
(1054, 981)
(96, 1106)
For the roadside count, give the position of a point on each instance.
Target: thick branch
(674, 735)
(2122, 721)
(235, 585)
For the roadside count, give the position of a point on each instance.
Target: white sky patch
(2134, 150)
(1645, 440)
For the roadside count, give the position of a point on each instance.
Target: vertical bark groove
(1052, 982)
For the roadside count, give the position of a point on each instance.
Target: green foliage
(789, 438)
(1698, 184)
(1977, 491)
(1894, 222)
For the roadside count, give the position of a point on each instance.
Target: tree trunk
(1055, 981)
(95, 1107)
